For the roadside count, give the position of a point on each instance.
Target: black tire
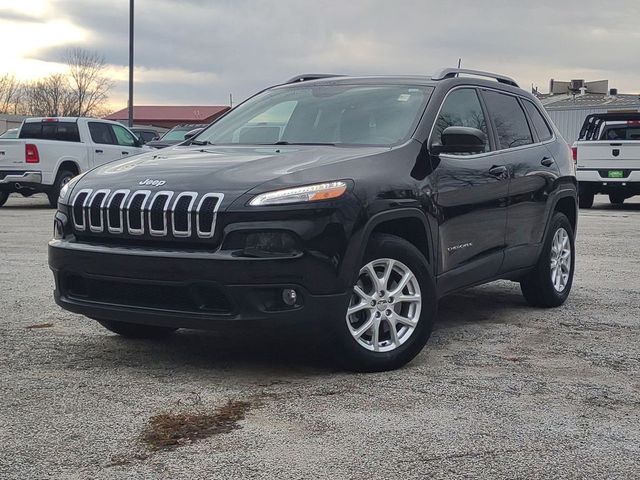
(355, 357)
(135, 330)
(537, 287)
(61, 179)
(616, 198)
(3, 198)
(586, 197)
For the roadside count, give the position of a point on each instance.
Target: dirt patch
(39, 325)
(167, 431)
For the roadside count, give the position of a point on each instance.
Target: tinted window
(61, 131)
(539, 124)
(123, 136)
(101, 133)
(509, 120)
(621, 132)
(460, 109)
(147, 136)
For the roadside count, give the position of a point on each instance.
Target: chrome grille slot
(114, 211)
(206, 214)
(158, 213)
(96, 212)
(135, 212)
(79, 203)
(181, 214)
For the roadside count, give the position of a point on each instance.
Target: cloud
(197, 51)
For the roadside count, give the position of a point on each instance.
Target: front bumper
(188, 289)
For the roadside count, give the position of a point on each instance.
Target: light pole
(131, 63)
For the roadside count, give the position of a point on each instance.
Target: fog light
(289, 296)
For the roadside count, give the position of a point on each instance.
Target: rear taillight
(574, 153)
(31, 154)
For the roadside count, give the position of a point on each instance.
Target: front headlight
(308, 193)
(65, 191)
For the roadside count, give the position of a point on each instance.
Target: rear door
(105, 148)
(470, 196)
(532, 170)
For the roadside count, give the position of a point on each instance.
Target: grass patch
(167, 431)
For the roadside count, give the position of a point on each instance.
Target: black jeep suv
(348, 203)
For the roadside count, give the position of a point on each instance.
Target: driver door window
(461, 108)
(123, 137)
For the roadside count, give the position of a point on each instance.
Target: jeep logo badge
(152, 183)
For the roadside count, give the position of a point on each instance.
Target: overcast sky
(199, 51)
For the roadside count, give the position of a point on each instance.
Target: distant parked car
(11, 133)
(175, 135)
(147, 134)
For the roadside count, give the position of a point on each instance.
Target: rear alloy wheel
(391, 310)
(616, 198)
(135, 330)
(549, 283)
(3, 198)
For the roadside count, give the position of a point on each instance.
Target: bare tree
(10, 92)
(50, 96)
(88, 82)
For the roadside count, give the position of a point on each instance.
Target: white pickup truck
(50, 151)
(607, 155)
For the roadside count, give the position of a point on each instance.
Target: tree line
(81, 91)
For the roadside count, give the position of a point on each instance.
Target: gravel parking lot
(501, 391)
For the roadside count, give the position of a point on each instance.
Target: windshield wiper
(201, 142)
(284, 142)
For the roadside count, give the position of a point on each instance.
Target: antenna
(459, 62)
(231, 100)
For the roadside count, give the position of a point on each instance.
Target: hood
(232, 170)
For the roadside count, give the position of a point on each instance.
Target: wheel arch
(410, 224)
(68, 164)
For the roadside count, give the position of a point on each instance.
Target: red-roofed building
(170, 115)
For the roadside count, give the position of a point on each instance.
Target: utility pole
(131, 63)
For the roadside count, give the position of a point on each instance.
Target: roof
(181, 113)
(589, 100)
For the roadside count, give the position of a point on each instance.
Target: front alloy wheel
(391, 310)
(385, 307)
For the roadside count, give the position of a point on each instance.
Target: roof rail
(455, 72)
(311, 76)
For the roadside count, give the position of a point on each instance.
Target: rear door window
(101, 133)
(508, 119)
(539, 124)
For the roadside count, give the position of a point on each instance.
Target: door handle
(125, 153)
(499, 172)
(99, 151)
(546, 161)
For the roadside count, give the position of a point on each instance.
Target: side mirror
(460, 140)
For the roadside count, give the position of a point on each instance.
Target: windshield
(328, 114)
